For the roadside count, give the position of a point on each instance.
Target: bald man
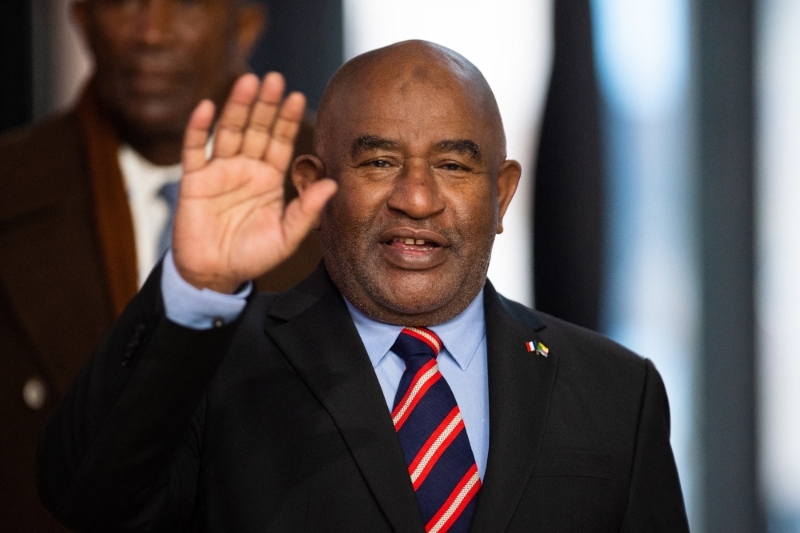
(393, 389)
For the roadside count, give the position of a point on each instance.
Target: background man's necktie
(432, 435)
(169, 192)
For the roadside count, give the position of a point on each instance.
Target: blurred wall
(723, 54)
(304, 42)
(61, 63)
(650, 294)
(569, 219)
(15, 57)
(778, 258)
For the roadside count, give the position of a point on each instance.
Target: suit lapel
(322, 344)
(112, 213)
(520, 388)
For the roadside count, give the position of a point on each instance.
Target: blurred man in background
(81, 228)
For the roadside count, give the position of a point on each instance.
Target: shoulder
(594, 358)
(60, 128)
(574, 345)
(32, 157)
(282, 306)
(585, 341)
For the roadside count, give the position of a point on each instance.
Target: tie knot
(417, 342)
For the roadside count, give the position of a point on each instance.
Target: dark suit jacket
(55, 305)
(277, 423)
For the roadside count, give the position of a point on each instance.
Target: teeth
(408, 240)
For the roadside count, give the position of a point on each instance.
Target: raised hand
(231, 224)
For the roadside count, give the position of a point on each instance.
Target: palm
(231, 224)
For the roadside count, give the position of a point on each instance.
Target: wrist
(216, 283)
(196, 308)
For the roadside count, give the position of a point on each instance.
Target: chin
(423, 297)
(159, 119)
(412, 305)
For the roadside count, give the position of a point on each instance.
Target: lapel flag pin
(538, 348)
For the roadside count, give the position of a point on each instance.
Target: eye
(453, 167)
(377, 163)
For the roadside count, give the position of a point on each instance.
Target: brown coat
(67, 268)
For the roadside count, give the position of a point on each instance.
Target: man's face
(156, 59)
(422, 189)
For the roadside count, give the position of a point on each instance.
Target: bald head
(393, 72)
(413, 136)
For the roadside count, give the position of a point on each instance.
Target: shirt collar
(141, 175)
(461, 335)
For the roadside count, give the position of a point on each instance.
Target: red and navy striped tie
(432, 435)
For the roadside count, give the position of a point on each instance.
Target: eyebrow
(366, 143)
(461, 146)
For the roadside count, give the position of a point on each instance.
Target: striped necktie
(433, 438)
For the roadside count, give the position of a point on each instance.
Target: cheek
(209, 39)
(359, 202)
(111, 39)
(475, 213)
(343, 216)
(207, 43)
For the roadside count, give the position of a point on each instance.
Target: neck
(160, 149)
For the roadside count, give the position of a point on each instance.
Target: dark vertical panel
(16, 83)
(44, 29)
(568, 202)
(304, 42)
(724, 54)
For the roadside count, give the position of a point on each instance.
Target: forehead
(422, 103)
(177, 7)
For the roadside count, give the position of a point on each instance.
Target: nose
(155, 21)
(416, 192)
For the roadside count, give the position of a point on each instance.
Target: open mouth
(408, 241)
(413, 248)
(415, 252)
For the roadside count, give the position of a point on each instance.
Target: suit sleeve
(655, 503)
(121, 451)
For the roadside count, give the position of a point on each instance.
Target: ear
(507, 181)
(252, 20)
(307, 169)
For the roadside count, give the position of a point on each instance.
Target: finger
(301, 213)
(196, 137)
(256, 136)
(230, 127)
(284, 131)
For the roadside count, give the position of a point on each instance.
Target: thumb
(302, 212)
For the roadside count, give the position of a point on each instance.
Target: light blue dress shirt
(462, 362)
